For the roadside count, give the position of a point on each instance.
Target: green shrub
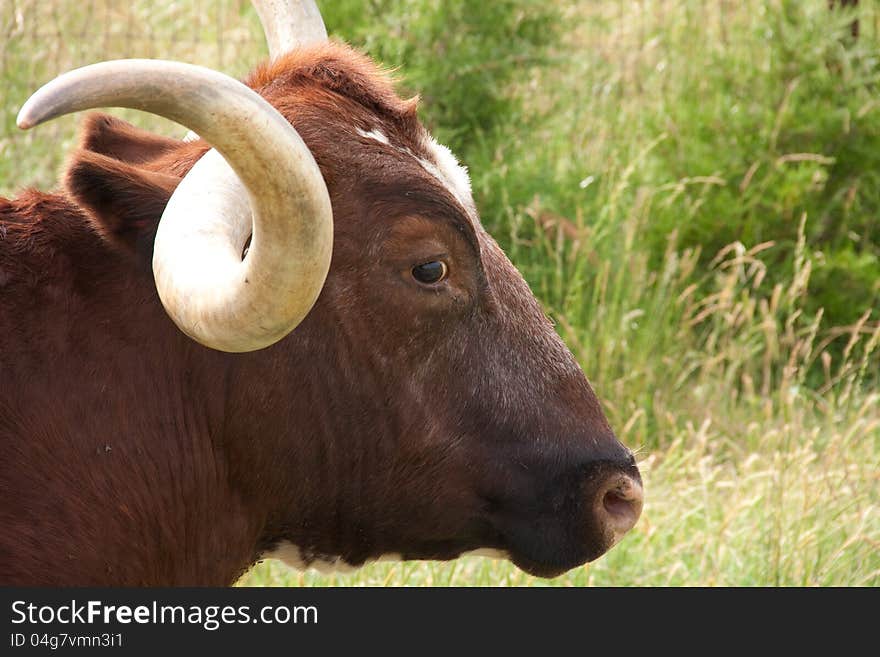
(795, 133)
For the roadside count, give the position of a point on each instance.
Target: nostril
(621, 505)
(616, 504)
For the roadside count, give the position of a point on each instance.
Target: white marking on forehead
(374, 134)
(440, 163)
(448, 171)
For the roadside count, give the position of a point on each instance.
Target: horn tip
(26, 119)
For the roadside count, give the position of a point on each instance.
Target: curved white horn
(210, 292)
(289, 24)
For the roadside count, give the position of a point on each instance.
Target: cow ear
(107, 135)
(123, 201)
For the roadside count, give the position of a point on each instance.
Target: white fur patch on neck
(491, 553)
(292, 556)
(374, 134)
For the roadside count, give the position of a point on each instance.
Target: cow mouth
(551, 570)
(548, 563)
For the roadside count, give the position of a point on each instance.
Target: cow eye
(430, 272)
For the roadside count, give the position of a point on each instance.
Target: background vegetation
(692, 188)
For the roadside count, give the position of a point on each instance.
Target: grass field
(693, 191)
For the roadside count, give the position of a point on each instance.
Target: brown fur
(395, 418)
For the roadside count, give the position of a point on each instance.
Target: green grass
(691, 188)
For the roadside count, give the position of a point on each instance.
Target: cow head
(424, 406)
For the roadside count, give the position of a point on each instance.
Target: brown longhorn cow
(161, 423)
